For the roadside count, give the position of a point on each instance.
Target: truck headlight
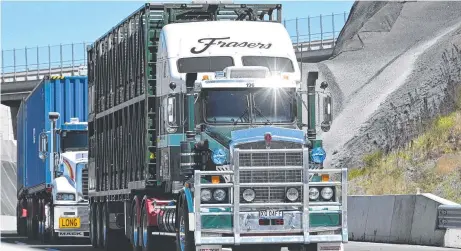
(219, 194)
(292, 194)
(205, 195)
(219, 156)
(249, 195)
(313, 193)
(65, 196)
(327, 193)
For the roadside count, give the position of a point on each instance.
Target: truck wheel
(151, 242)
(54, 238)
(21, 223)
(135, 229)
(34, 219)
(93, 225)
(42, 233)
(146, 234)
(29, 220)
(99, 233)
(184, 238)
(112, 239)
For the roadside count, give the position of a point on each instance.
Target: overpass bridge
(313, 40)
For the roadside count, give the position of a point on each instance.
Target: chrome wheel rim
(144, 230)
(182, 233)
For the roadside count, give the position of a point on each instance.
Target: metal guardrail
(449, 216)
(307, 34)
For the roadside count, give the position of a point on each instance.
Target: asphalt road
(12, 242)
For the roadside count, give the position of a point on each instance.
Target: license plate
(270, 214)
(209, 248)
(69, 222)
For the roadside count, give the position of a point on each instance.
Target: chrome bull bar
(302, 236)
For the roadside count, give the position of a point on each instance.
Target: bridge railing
(32, 63)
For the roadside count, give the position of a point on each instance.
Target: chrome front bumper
(72, 211)
(245, 216)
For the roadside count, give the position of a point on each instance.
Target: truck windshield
(74, 141)
(203, 64)
(273, 63)
(267, 105)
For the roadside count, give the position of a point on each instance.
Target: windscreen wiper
(259, 112)
(245, 113)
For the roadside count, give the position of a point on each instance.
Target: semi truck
(52, 150)
(202, 135)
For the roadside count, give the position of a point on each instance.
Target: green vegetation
(432, 163)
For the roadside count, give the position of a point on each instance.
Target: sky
(32, 24)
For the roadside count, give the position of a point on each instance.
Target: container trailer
(52, 147)
(202, 135)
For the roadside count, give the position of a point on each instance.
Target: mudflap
(209, 248)
(330, 247)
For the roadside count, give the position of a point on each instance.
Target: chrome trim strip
(198, 219)
(236, 210)
(345, 233)
(305, 213)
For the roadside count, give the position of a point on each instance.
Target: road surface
(12, 242)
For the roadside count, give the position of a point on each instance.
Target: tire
(151, 242)
(184, 238)
(54, 238)
(93, 225)
(113, 239)
(147, 239)
(135, 238)
(29, 219)
(21, 223)
(99, 231)
(42, 233)
(34, 219)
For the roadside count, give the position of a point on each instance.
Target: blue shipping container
(69, 97)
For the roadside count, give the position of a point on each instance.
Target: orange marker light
(205, 77)
(215, 179)
(325, 177)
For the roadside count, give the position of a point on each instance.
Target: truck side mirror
(43, 146)
(327, 117)
(190, 79)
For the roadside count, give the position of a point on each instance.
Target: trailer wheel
(148, 241)
(21, 222)
(29, 220)
(42, 233)
(184, 238)
(99, 233)
(135, 228)
(113, 239)
(93, 225)
(35, 219)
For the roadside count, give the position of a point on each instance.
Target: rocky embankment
(396, 66)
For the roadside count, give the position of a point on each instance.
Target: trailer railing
(32, 63)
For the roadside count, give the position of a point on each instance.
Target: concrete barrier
(7, 223)
(399, 219)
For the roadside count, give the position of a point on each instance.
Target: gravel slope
(387, 67)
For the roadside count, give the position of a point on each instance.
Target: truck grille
(83, 213)
(271, 161)
(85, 183)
